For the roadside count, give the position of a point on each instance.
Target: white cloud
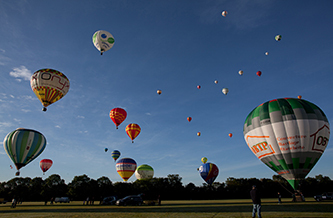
(21, 73)
(81, 117)
(57, 126)
(25, 110)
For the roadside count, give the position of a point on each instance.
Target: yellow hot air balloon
(204, 159)
(49, 86)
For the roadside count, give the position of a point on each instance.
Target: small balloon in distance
(224, 13)
(230, 135)
(240, 72)
(189, 119)
(299, 97)
(225, 91)
(266, 53)
(259, 73)
(278, 37)
(198, 86)
(199, 134)
(216, 82)
(159, 91)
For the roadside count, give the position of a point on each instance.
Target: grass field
(173, 209)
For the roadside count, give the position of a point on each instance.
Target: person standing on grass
(255, 196)
(279, 197)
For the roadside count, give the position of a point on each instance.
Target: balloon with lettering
(118, 115)
(45, 165)
(23, 146)
(103, 40)
(289, 135)
(125, 168)
(133, 130)
(209, 172)
(144, 171)
(49, 86)
(115, 154)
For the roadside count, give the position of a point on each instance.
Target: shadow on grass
(201, 207)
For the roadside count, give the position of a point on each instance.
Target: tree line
(168, 188)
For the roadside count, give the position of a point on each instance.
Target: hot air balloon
(159, 91)
(144, 171)
(259, 73)
(23, 146)
(106, 149)
(45, 164)
(49, 86)
(224, 13)
(225, 91)
(230, 135)
(216, 82)
(209, 172)
(204, 159)
(299, 97)
(133, 130)
(198, 87)
(189, 119)
(289, 135)
(125, 168)
(266, 53)
(240, 72)
(118, 115)
(278, 37)
(103, 40)
(115, 154)
(198, 133)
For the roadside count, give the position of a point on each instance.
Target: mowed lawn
(172, 209)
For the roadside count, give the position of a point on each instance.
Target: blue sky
(169, 45)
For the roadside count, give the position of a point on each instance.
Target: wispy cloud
(80, 117)
(21, 73)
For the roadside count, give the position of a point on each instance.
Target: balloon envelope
(278, 37)
(230, 135)
(103, 40)
(240, 72)
(126, 167)
(49, 86)
(289, 135)
(23, 146)
(115, 154)
(118, 115)
(209, 172)
(224, 13)
(225, 91)
(204, 159)
(159, 91)
(189, 119)
(133, 130)
(198, 86)
(259, 73)
(144, 171)
(45, 164)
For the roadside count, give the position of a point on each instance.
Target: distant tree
(105, 187)
(78, 188)
(54, 186)
(35, 189)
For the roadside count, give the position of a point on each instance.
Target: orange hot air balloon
(259, 73)
(45, 164)
(198, 86)
(230, 135)
(159, 91)
(299, 97)
(199, 134)
(133, 130)
(189, 119)
(118, 115)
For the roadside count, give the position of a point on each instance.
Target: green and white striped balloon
(23, 146)
(289, 135)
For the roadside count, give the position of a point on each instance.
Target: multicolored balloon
(209, 172)
(198, 133)
(289, 135)
(224, 13)
(204, 159)
(49, 86)
(23, 146)
(278, 37)
(144, 171)
(45, 165)
(103, 40)
(133, 130)
(125, 168)
(115, 154)
(118, 115)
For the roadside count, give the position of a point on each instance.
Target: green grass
(173, 209)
